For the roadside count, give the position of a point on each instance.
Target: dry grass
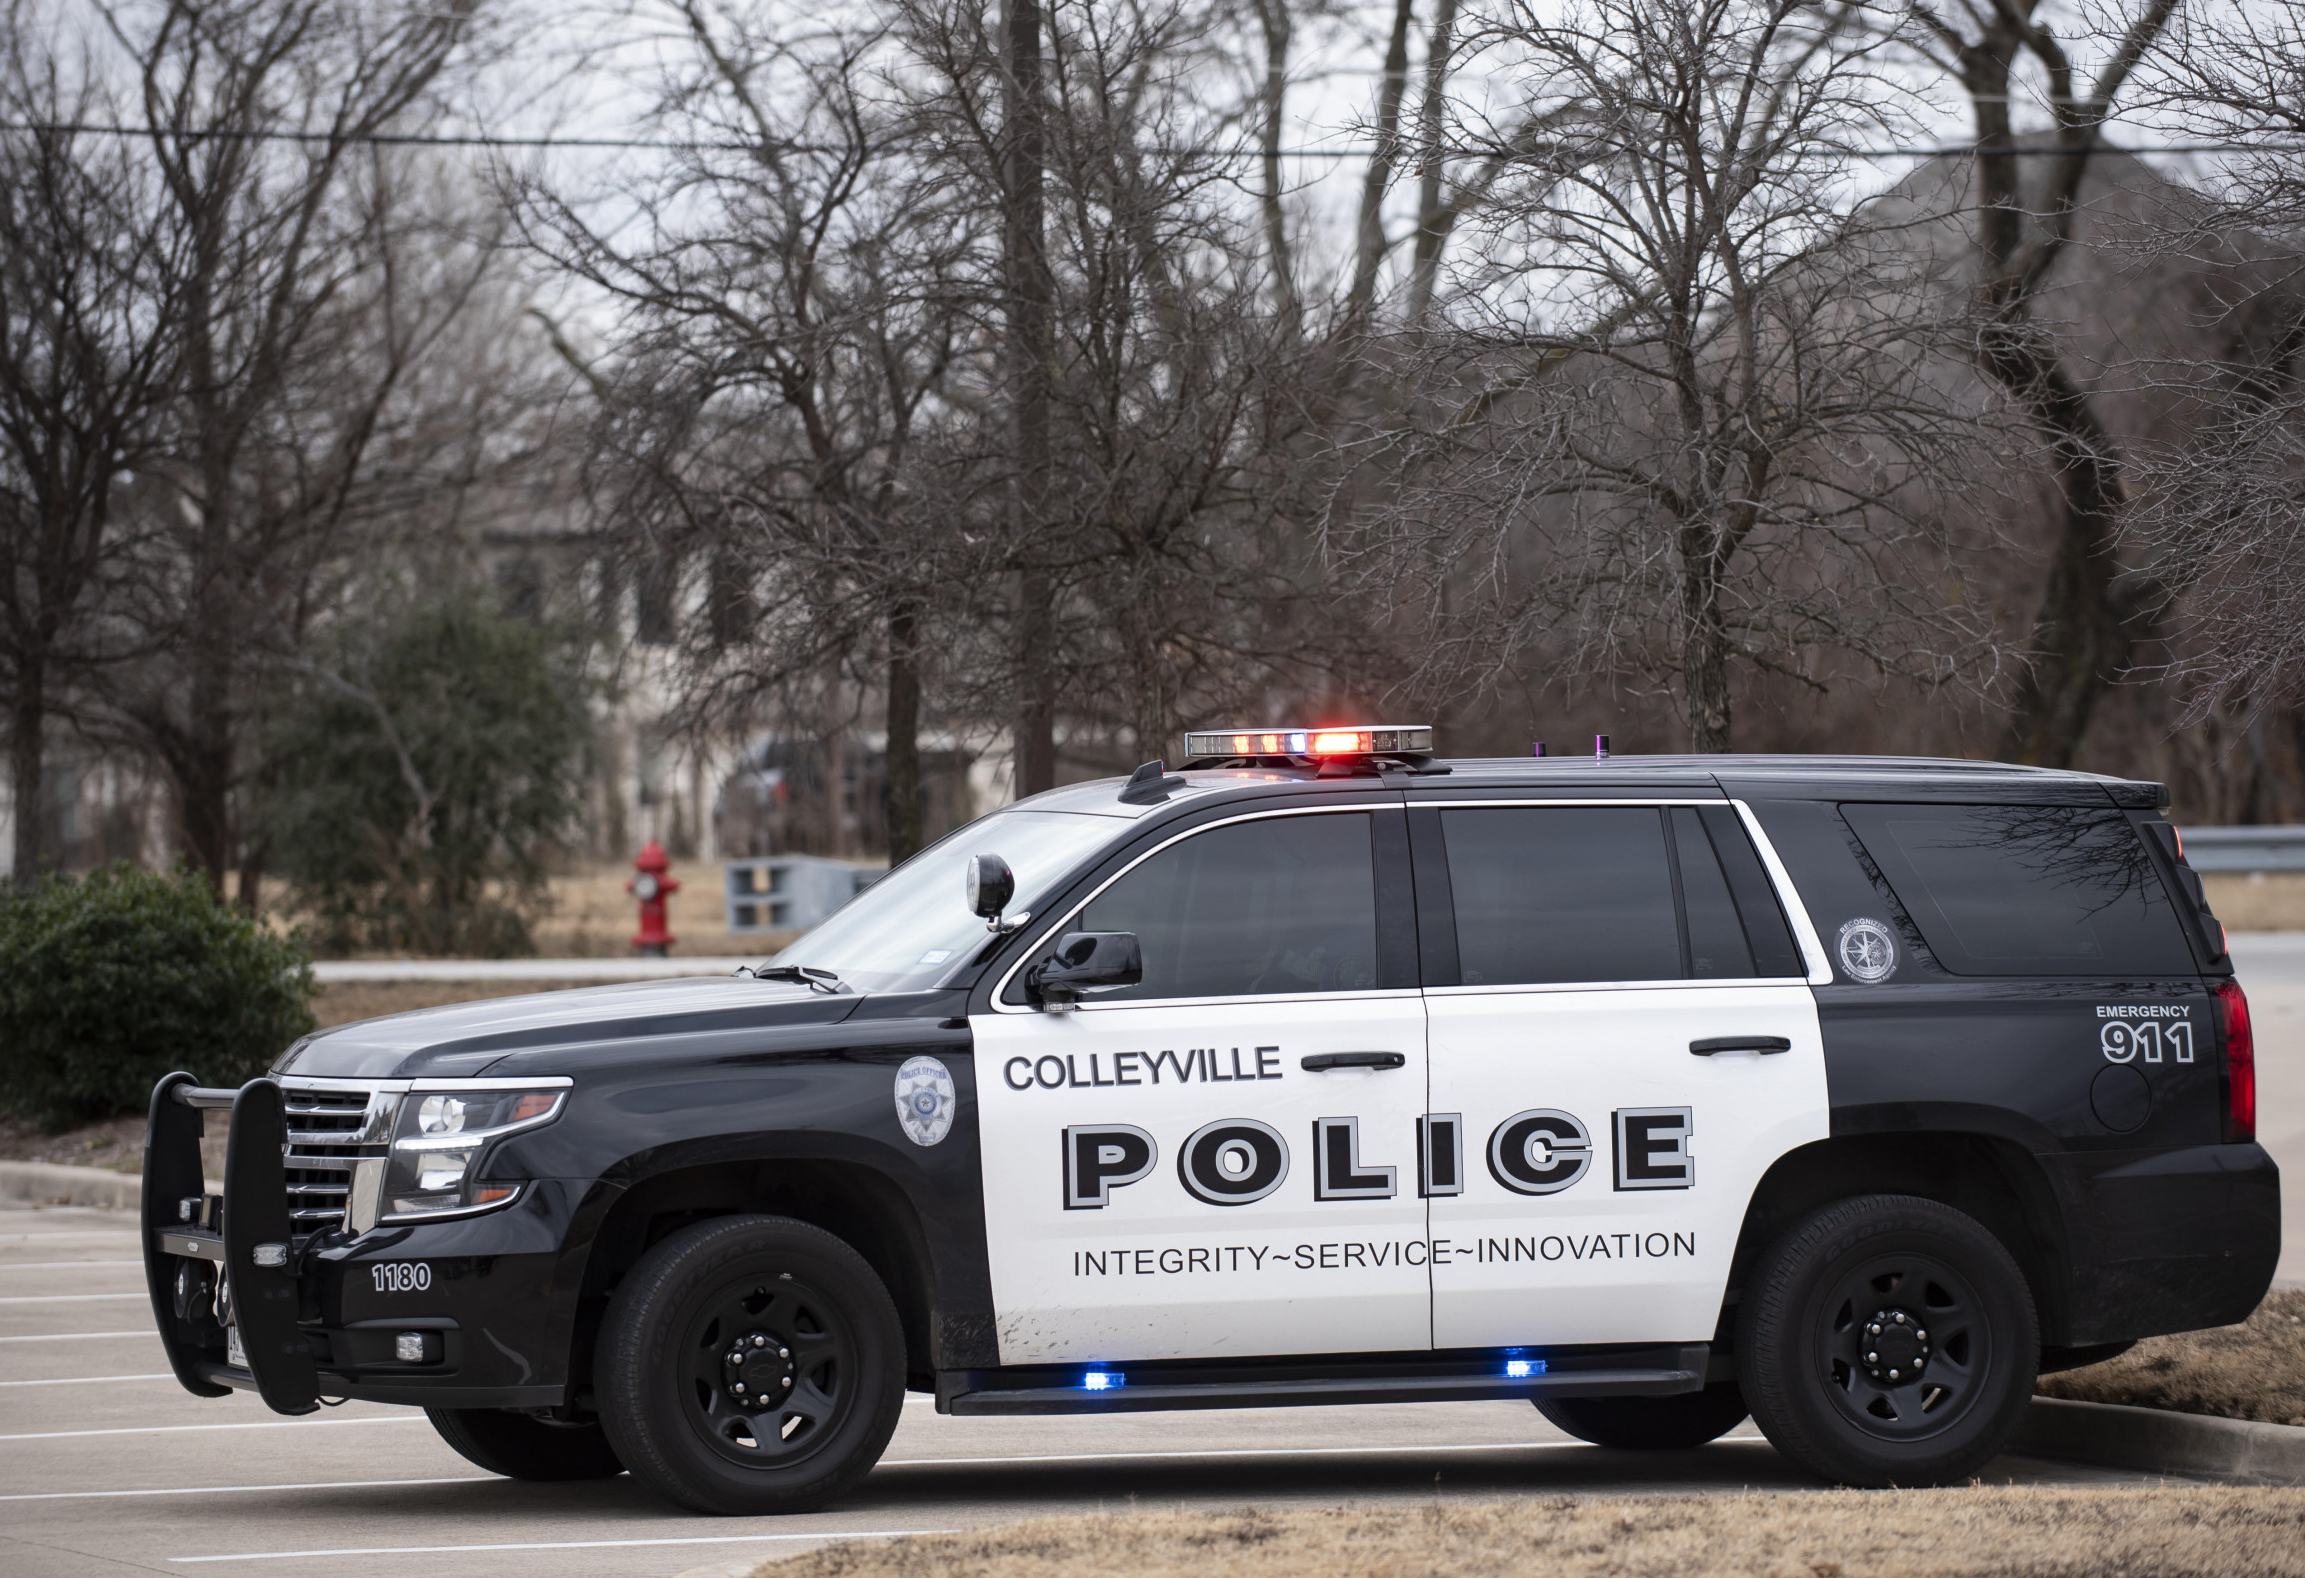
(2258, 901)
(2255, 1370)
(2230, 1533)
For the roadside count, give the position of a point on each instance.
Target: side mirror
(1085, 961)
(990, 885)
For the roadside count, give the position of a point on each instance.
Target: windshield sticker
(925, 1100)
(1867, 950)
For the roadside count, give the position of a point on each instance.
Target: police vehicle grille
(329, 1130)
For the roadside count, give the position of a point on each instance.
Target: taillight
(2240, 1065)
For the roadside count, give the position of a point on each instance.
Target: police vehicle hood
(464, 1039)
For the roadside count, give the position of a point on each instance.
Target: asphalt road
(107, 1467)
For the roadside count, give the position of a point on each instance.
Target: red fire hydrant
(652, 887)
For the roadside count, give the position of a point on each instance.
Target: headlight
(441, 1137)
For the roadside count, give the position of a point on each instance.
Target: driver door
(1220, 1160)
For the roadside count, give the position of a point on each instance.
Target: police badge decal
(925, 1100)
(1867, 949)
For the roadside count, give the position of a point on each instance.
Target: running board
(1120, 1388)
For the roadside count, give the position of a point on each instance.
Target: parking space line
(227, 1490)
(260, 1424)
(79, 1336)
(62, 1265)
(91, 1380)
(566, 1545)
(73, 1298)
(47, 1238)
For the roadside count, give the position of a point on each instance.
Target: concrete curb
(51, 1183)
(2159, 1441)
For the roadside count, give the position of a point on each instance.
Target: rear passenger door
(1622, 1039)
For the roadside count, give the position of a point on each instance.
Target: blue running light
(1522, 1369)
(1100, 1381)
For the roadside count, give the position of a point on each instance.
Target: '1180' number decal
(2124, 1042)
(401, 1276)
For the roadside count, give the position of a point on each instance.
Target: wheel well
(860, 1207)
(1990, 1179)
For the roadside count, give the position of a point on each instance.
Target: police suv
(1846, 1093)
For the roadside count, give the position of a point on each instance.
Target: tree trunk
(2085, 631)
(1024, 244)
(27, 722)
(900, 764)
(1704, 656)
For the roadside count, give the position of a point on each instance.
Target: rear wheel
(520, 1446)
(1887, 1340)
(1649, 1424)
(751, 1364)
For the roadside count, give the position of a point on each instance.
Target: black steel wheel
(1887, 1340)
(751, 1364)
(521, 1446)
(1648, 1424)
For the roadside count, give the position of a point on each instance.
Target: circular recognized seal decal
(925, 1100)
(1867, 950)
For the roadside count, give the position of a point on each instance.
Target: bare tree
(87, 354)
(790, 322)
(2222, 513)
(2091, 617)
(260, 117)
(1686, 406)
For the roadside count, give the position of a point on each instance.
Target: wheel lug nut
(1892, 1375)
(783, 1354)
(739, 1388)
(760, 1342)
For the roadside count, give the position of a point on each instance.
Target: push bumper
(476, 1312)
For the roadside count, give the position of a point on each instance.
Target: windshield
(906, 930)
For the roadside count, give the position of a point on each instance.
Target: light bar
(1348, 740)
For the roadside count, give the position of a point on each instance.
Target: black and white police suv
(1848, 1093)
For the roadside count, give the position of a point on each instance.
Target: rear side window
(1279, 905)
(2026, 890)
(1546, 895)
(1561, 893)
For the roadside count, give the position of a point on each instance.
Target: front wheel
(1648, 1424)
(519, 1446)
(1887, 1340)
(751, 1364)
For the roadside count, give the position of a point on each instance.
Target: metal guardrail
(2210, 849)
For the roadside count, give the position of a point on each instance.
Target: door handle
(1761, 1044)
(1325, 1060)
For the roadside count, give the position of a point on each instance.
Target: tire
(820, 1342)
(1649, 1424)
(520, 1447)
(1844, 1403)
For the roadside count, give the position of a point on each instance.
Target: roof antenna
(1600, 747)
(1536, 747)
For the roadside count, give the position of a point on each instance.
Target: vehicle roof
(1772, 777)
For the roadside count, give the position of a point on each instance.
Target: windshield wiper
(807, 975)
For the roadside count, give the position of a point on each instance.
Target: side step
(1404, 1378)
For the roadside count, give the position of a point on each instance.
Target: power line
(1405, 153)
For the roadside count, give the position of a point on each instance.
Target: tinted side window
(1283, 905)
(2026, 890)
(1717, 946)
(1561, 893)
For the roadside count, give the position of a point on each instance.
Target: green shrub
(109, 982)
(425, 780)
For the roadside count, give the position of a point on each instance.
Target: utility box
(791, 892)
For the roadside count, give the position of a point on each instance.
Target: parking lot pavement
(107, 1466)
